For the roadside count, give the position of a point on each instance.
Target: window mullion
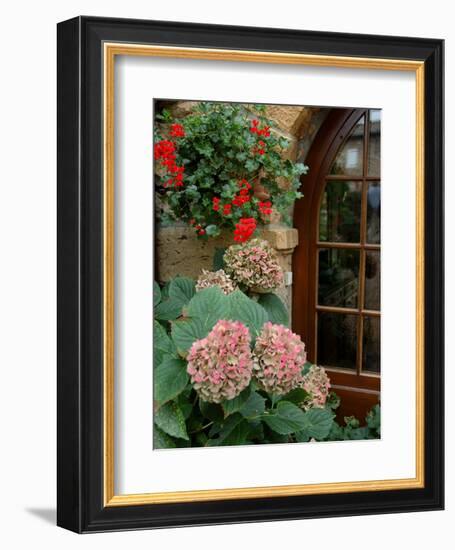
(363, 240)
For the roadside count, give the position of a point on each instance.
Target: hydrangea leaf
(234, 405)
(186, 331)
(208, 306)
(287, 418)
(168, 309)
(276, 310)
(239, 435)
(161, 440)
(247, 311)
(254, 406)
(156, 293)
(182, 289)
(163, 346)
(169, 418)
(234, 432)
(296, 396)
(318, 423)
(170, 379)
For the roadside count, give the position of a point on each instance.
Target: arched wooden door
(336, 297)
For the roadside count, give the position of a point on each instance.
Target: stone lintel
(281, 238)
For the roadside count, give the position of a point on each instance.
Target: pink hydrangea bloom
(279, 356)
(317, 384)
(216, 278)
(254, 264)
(221, 365)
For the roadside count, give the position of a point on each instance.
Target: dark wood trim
(322, 244)
(331, 136)
(69, 304)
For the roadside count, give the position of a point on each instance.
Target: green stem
(201, 429)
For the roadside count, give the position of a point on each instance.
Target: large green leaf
(186, 331)
(163, 346)
(297, 396)
(239, 435)
(169, 418)
(234, 405)
(168, 309)
(249, 312)
(234, 432)
(170, 379)
(254, 406)
(209, 306)
(161, 440)
(276, 310)
(287, 418)
(182, 289)
(318, 423)
(156, 293)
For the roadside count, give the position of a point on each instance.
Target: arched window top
(349, 159)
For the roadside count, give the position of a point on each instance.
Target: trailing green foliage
(215, 148)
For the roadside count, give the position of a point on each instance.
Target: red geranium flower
(177, 130)
(164, 151)
(244, 229)
(265, 208)
(216, 203)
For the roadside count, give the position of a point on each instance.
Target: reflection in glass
(371, 360)
(349, 159)
(374, 144)
(338, 277)
(374, 213)
(339, 216)
(337, 337)
(373, 280)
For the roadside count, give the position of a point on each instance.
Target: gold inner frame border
(110, 51)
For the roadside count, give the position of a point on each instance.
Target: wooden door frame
(330, 138)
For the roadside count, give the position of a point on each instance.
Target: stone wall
(180, 252)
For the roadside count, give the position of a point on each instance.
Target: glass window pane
(371, 361)
(374, 213)
(338, 277)
(339, 216)
(373, 280)
(337, 340)
(349, 159)
(374, 144)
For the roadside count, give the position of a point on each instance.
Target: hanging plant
(220, 168)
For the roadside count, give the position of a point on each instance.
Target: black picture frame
(80, 282)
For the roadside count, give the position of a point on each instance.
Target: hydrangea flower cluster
(216, 278)
(279, 356)
(255, 265)
(317, 384)
(221, 365)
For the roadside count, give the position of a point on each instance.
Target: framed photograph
(250, 274)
